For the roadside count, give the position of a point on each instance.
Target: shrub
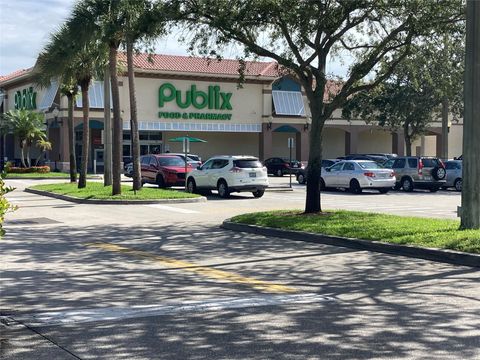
(5, 206)
(21, 170)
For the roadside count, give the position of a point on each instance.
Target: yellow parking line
(197, 269)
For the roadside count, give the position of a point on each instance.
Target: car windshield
(369, 165)
(171, 161)
(248, 163)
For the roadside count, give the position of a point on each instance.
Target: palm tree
(77, 62)
(142, 23)
(44, 145)
(27, 126)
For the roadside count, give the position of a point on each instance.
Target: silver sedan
(454, 174)
(356, 175)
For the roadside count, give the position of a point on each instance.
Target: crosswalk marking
(55, 318)
(172, 209)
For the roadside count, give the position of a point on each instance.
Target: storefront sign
(193, 115)
(213, 99)
(26, 99)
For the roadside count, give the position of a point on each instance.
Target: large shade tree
(301, 35)
(417, 91)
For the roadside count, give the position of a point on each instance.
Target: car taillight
(369, 174)
(420, 166)
(286, 165)
(235, 169)
(392, 174)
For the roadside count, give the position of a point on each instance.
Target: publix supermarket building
(179, 95)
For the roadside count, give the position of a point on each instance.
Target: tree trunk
(445, 107)
(408, 140)
(470, 217)
(82, 182)
(71, 141)
(107, 130)
(137, 177)
(313, 197)
(117, 124)
(28, 156)
(22, 154)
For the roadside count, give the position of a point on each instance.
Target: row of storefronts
(178, 95)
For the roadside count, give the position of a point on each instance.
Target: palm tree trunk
(28, 156)
(71, 141)
(22, 153)
(107, 130)
(117, 124)
(137, 179)
(82, 182)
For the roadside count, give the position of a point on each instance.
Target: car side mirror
(199, 167)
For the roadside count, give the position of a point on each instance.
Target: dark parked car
(163, 170)
(302, 173)
(281, 166)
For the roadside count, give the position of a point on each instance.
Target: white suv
(229, 174)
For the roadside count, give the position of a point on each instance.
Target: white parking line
(137, 311)
(172, 209)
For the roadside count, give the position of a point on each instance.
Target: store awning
(286, 129)
(49, 95)
(93, 124)
(95, 96)
(288, 103)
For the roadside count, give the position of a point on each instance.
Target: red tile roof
(15, 74)
(188, 64)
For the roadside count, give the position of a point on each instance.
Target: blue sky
(26, 25)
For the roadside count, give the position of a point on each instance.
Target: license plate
(253, 174)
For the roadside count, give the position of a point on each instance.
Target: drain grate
(32, 221)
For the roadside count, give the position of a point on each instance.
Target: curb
(46, 178)
(114, 202)
(445, 256)
(278, 188)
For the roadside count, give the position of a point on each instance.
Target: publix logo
(212, 99)
(26, 99)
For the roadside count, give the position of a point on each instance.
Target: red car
(163, 170)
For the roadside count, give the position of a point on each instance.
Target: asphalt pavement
(162, 281)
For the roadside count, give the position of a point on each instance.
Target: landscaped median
(42, 176)
(434, 239)
(96, 193)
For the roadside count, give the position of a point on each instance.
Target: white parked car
(229, 174)
(356, 175)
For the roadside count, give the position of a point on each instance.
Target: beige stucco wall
(374, 140)
(217, 144)
(280, 144)
(333, 143)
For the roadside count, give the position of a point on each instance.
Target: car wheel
(160, 181)
(433, 189)
(222, 188)
(191, 186)
(301, 179)
(279, 172)
(322, 184)
(355, 187)
(397, 186)
(458, 184)
(259, 193)
(439, 173)
(384, 190)
(407, 185)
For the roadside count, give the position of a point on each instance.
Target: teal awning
(93, 124)
(286, 129)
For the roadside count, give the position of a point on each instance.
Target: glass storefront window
(126, 150)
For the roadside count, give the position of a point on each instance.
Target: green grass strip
(424, 232)
(96, 190)
(39, 175)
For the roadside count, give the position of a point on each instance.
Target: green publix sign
(26, 99)
(213, 99)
